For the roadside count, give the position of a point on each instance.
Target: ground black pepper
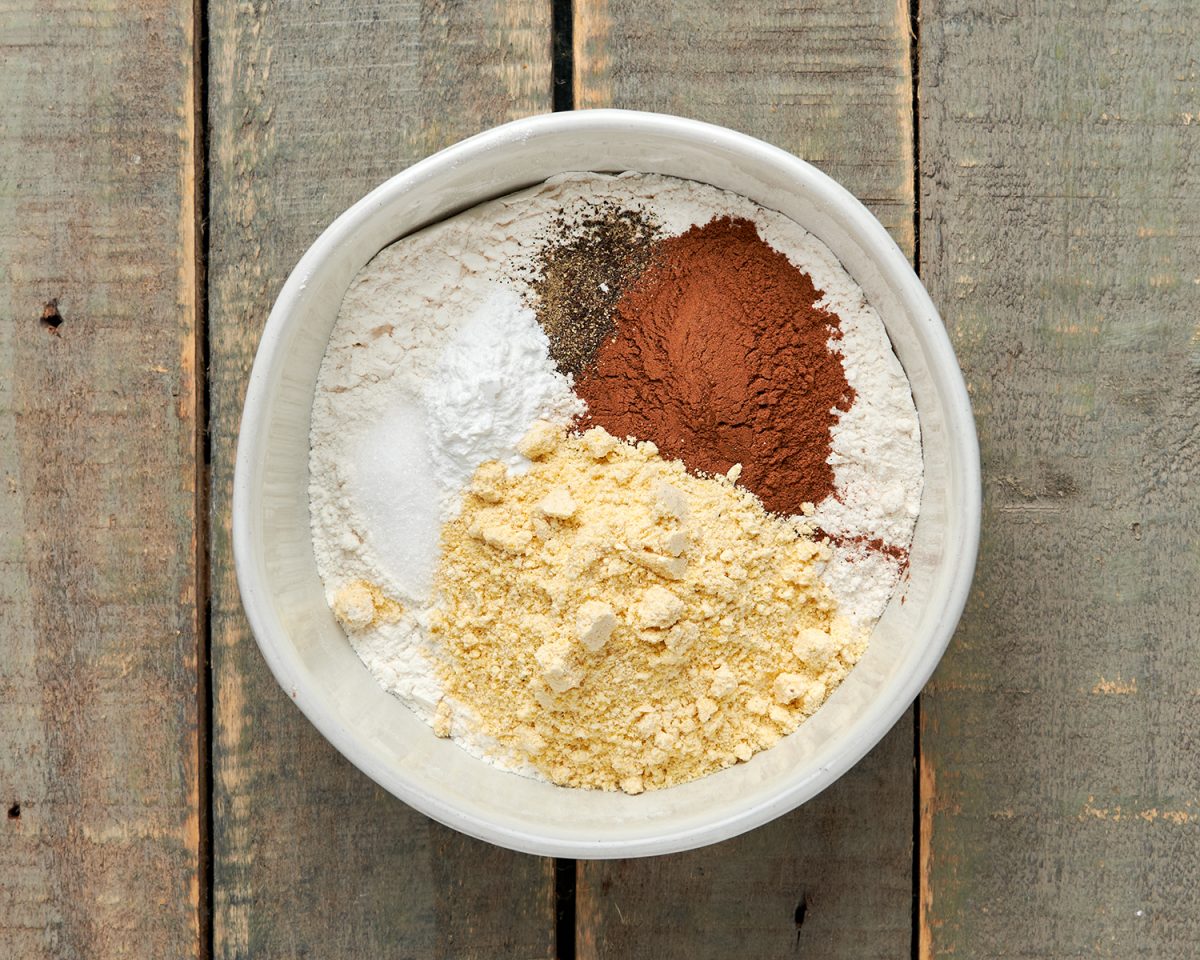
(586, 261)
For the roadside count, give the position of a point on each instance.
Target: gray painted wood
(832, 879)
(311, 106)
(1059, 790)
(99, 780)
(1059, 197)
(830, 82)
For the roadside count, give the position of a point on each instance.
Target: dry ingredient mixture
(611, 478)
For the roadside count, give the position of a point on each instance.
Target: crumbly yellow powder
(361, 604)
(616, 622)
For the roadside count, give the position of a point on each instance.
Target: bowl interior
(312, 658)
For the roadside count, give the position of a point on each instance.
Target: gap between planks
(919, 942)
(203, 456)
(562, 80)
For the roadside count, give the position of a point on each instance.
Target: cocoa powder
(721, 356)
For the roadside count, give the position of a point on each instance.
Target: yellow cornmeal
(360, 605)
(616, 622)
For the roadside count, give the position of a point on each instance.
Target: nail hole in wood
(51, 318)
(14, 812)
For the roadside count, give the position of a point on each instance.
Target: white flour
(434, 366)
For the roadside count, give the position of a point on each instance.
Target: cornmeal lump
(361, 605)
(615, 622)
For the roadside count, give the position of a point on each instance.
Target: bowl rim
(280, 653)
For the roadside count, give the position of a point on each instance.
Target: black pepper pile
(587, 260)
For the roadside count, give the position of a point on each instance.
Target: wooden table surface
(163, 164)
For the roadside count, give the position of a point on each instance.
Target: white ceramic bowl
(311, 657)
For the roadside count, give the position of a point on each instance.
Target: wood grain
(830, 82)
(99, 825)
(311, 106)
(788, 889)
(1059, 197)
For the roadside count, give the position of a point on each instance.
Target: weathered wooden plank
(310, 107)
(784, 890)
(99, 848)
(1059, 197)
(831, 82)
